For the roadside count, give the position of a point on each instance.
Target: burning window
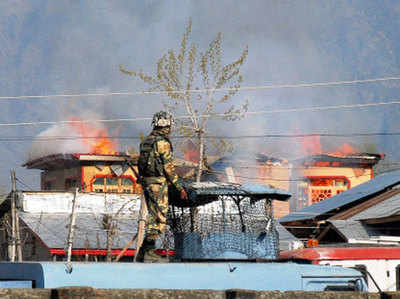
(333, 182)
(325, 187)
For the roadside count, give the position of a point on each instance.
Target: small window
(341, 183)
(112, 181)
(98, 181)
(126, 182)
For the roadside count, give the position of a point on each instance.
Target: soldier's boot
(150, 255)
(146, 245)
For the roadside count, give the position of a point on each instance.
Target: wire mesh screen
(230, 227)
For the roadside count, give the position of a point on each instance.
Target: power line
(244, 88)
(51, 138)
(216, 115)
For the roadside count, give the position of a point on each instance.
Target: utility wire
(216, 115)
(50, 138)
(247, 88)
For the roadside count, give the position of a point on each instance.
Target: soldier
(157, 171)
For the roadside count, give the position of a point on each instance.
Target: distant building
(88, 172)
(366, 214)
(310, 179)
(318, 177)
(105, 223)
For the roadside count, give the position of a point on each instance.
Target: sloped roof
(52, 229)
(387, 208)
(351, 229)
(355, 159)
(372, 187)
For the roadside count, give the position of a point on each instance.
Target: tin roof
(58, 161)
(200, 193)
(351, 229)
(354, 159)
(52, 229)
(387, 208)
(325, 208)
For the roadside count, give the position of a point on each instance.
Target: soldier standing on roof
(157, 171)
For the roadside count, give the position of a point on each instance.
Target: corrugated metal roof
(353, 229)
(369, 188)
(52, 229)
(387, 208)
(200, 193)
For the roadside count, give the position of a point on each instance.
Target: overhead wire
(214, 115)
(247, 88)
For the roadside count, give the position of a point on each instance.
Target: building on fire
(310, 179)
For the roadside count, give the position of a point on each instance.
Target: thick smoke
(59, 139)
(76, 47)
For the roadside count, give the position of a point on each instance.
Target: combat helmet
(162, 119)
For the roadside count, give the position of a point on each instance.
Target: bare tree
(201, 86)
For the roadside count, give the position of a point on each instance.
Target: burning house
(261, 169)
(320, 174)
(86, 158)
(317, 177)
(88, 172)
(311, 178)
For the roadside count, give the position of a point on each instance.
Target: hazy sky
(70, 47)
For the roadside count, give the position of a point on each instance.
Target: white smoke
(59, 139)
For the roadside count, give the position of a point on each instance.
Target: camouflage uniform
(156, 184)
(157, 170)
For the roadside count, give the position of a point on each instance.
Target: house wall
(277, 176)
(89, 174)
(305, 193)
(356, 176)
(281, 208)
(55, 179)
(83, 177)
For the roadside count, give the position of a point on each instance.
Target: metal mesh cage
(234, 226)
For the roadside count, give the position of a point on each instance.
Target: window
(112, 181)
(98, 181)
(98, 185)
(115, 185)
(126, 182)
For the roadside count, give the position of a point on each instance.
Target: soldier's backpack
(150, 164)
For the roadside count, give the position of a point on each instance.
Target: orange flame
(96, 138)
(311, 145)
(343, 151)
(191, 152)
